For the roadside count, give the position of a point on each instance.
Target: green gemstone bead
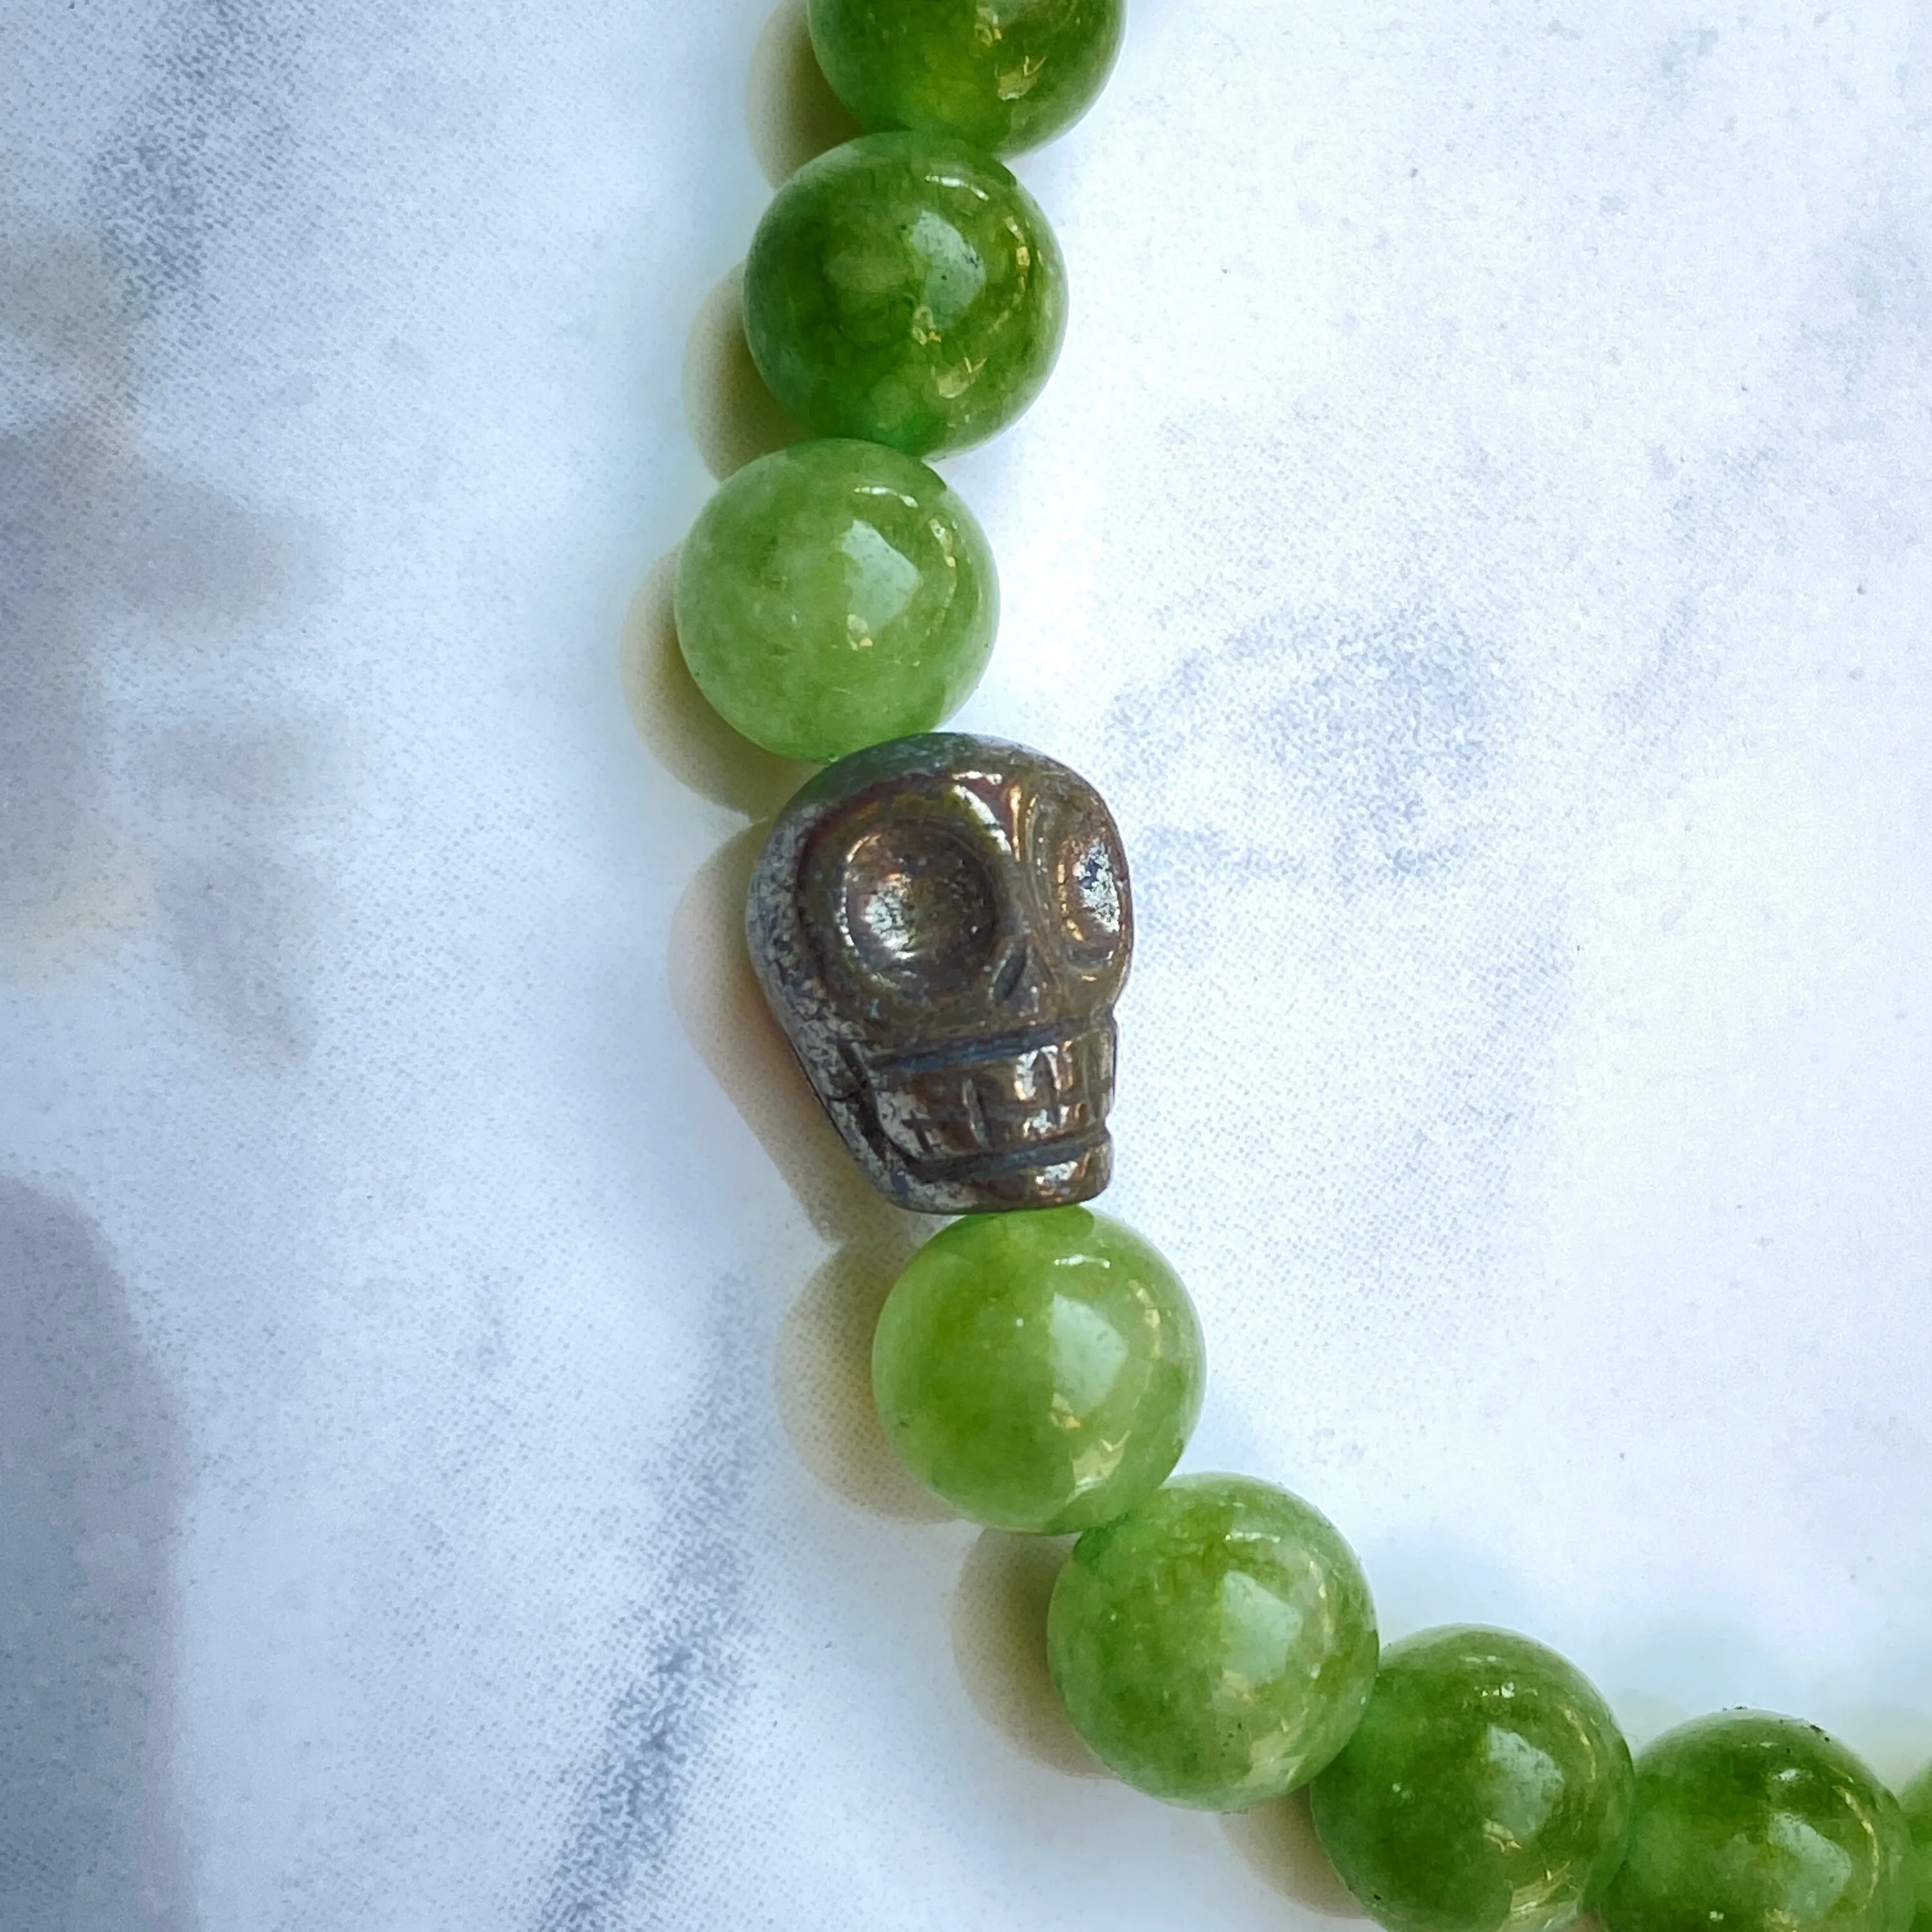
(1916, 1798)
(834, 595)
(1214, 1647)
(1005, 76)
(906, 289)
(1487, 1787)
(1748, 1823)
(1039, 1370)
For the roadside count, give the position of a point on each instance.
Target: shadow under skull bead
(942, 925)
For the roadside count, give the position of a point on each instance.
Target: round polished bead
(1488, 1787)
(1039, 1370)
(1917, 1799)
(1214, 1647)
(1004, 77)
(835, 595)
(1748, 1823)
(906, 289)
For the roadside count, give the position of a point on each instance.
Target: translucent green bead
(1917, 1799)
(1215, 1646)
(1748, 1822)
(1487, 1788)
(835, 595)
(906, 289)
(1005, 77)
(1039, 1370)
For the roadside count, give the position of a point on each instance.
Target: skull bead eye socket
(921, 908)
(1090, 882)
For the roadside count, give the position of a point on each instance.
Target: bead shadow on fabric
(792, 113)
(999, 1644)
(822, 1372)
(682, 730)
(1277, 1841)
(732, 416)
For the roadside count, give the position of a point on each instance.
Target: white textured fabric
(1476, 538)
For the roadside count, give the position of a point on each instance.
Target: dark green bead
(1748, 1823)
(1215, 1646)
(835, 595)
(1917, 1799)
(1005, 75)
(905, 288)
(1488, 1787)
(1040, 1370)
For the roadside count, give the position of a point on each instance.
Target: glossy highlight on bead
(1004, 77)
(1487, 1789)
(833, 594)
(1040, 1371)
(1754, 1822)
(905, 288)
(1215, 1646)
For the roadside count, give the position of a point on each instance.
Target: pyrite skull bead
(942, 925)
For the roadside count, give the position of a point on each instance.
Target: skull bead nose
(942, 925)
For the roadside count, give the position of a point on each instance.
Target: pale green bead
(1005, 76)
(834, 595)
(1749, 1822)
(1040, 1370)
(1215, 1646)
(1487, 1789)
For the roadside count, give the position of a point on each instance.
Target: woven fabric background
(1476, 538)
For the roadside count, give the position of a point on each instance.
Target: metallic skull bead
(942, 925)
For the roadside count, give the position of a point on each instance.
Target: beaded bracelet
(942, 924)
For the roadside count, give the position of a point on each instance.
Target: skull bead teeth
(942, 925)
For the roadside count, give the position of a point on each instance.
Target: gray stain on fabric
(1867, 343)
(101, 550)
(1380, 731)
(158, 183)
(1853, 379)
(92, 1465)
(615, 1870)
(1375, 860)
